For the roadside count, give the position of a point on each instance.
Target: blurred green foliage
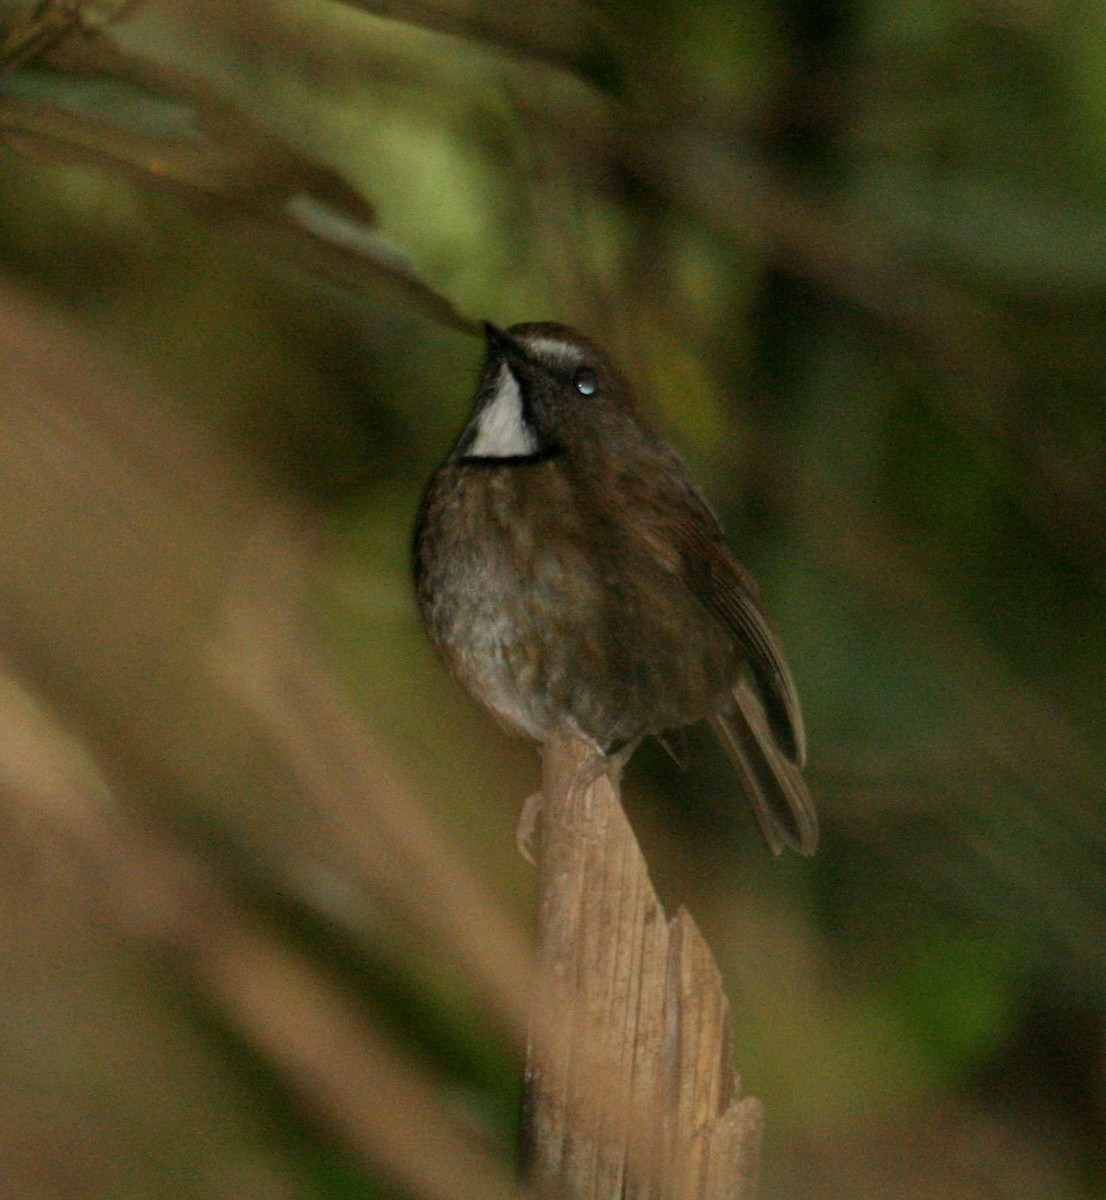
(855, 256)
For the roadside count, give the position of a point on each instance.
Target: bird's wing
(673, 518)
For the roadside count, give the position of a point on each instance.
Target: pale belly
(582, 637)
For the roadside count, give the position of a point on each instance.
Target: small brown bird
(573, 577)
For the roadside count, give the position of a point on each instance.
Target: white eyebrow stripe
(550, 347)
(502, 430)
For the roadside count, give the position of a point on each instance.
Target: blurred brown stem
(630, 1091)
(152, 636)
(367, 1093)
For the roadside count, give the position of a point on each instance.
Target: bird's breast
(546, 609)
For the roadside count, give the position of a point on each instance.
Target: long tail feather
(775, 785)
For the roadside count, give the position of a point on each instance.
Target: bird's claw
(527, 827)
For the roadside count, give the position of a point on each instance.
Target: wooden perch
(630, 1090)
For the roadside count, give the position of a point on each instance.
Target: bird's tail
(775, 785)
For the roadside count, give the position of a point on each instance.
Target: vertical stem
(630, 1091)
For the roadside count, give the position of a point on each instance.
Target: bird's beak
(500, 343)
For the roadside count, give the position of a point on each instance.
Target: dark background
(854, 256)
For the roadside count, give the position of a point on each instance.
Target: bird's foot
(599, 764)
(592, 768)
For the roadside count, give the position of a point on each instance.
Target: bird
(574, 579)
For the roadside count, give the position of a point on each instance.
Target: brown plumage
(573, 576)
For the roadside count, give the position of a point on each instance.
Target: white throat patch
(501, 427)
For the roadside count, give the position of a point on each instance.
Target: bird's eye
(585, 382)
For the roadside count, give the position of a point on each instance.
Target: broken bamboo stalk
(630, 1088)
